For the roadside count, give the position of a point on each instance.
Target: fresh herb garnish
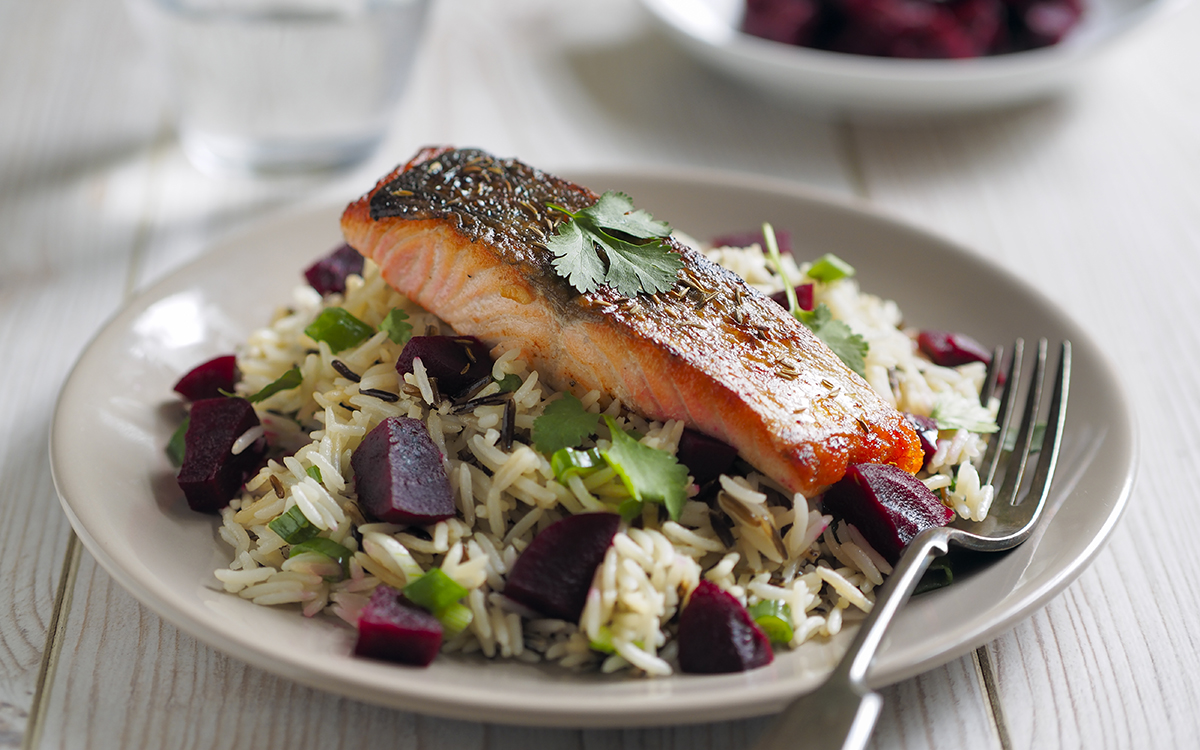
(510, 383)
(612, 243)
(395, 324)
(848, 345)
(285, 382)
(568, 462)
(960, 413)
(564, 424)
(177, 445)
(650, 475)
(338, 328)
(314, 472)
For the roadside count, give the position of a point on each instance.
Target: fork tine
(992, 379)
(1015, 471)
(1052, 438)
(991, 457)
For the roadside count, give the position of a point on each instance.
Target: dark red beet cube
(887, 505)
(787, 21)
(211, 474)
(456, 361)
(783, 239)
(1039, 23)
(804, 297)
(392, 629)
(927, 430)
(399, 475)
(705, 457)
(716, 634)
(209, 379)
(552, 576)
(950, 349)
(328, 275)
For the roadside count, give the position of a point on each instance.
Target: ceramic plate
(117, 411)
(831, 82)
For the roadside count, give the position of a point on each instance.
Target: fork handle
(842, 711)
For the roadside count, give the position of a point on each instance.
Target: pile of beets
(914, 28)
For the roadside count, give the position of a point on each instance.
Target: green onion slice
(176, 446)
(775, 618)
(829, 267)
(293, 527)
(567, 462)
(455, 618)
(323, 546)
(338, 328)
(434, 591)
(314, 472)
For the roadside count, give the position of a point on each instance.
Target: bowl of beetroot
(903, 57)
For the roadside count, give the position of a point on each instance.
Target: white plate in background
(832, 83)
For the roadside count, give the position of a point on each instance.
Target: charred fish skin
(463, 234)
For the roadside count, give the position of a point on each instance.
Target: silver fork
(842, 711)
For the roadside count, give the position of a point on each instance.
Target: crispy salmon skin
(462, 234)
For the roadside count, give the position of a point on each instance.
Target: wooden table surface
(1093, 198)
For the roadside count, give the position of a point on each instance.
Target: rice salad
(757, 541)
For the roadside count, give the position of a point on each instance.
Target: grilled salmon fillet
(462, 234)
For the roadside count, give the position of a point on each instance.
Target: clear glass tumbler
(265, 86)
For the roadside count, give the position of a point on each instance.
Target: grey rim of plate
(117, 410)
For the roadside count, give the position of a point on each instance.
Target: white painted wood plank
(64, 259)
(1095, 200)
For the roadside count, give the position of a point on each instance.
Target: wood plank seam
(986, 672)
(54, 640)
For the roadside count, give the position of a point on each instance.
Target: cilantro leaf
(564, 424)
(574, 260)
(849, 346)
(510, 383)
(952, 412)
(395, 324)
(285, 382)
(612, 243)
(650, 475)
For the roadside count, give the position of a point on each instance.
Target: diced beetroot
(705, 457)
(456, 361)
(399, 475)
(209, 379)
(716, 634)
(950, 349)
(787, 21)
(553, 574)
(211, 474)
(1039, 23)
(328, 275)
(927, 430)
(392, 629)
(804, 297)
(887, 505)
(903, 28)
(783, 239)
(983, 21)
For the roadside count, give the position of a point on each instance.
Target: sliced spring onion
(773, 254)
(603, 642)
(455, 618)
(829, 267)
(285, 382)
(434, 591)
(338, 328)
(568, 462)
(314, 472)
(395, 324)
(510, 382)
(176, 446)
(630, 509)
(323, 546)
(775, 618)
(293, 527)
